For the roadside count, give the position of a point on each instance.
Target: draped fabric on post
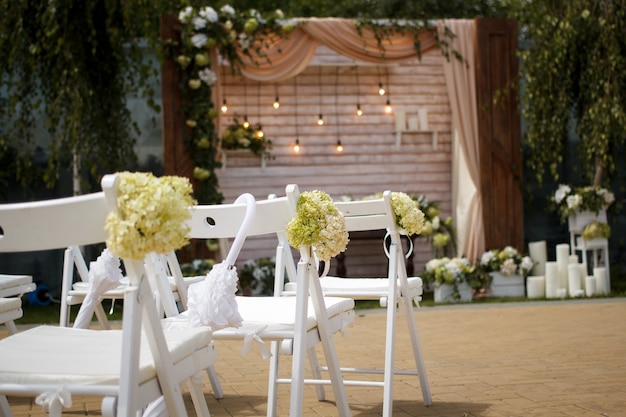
(467, 203)
(287, 57)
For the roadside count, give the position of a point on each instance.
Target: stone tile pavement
(550, 358)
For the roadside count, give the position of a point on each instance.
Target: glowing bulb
(260, 134)
(276, 103)
(388, 107)
(245, 122)
(359, 112)
(320, 120)
(339, 146)
(296, 146)
(224, 107)
(381, 90)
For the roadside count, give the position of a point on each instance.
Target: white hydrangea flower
(574, 201)
(198, 22)
(228, 9)
(527, 263)
(561, 193)
(209, 14)
(487, 257)
(207, 76)
(199, 40)
(184, 16)
(245, 41)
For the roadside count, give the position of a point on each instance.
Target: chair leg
(272, 386)
(218, 393)
(417, 353)
(197, 397)
(316, 374)
(5, 408)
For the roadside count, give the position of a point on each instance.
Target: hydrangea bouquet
(152, 215)
(318, 223)
(408, 215)
(567, 200)
(507, 261)
(451, 271)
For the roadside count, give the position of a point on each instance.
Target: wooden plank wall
(371, 162)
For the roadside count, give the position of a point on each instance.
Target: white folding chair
(393, 290)
(129, 368)
(12, 287)
(298, 323)
(599, 247)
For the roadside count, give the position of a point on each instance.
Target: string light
(246, 124)
(259, 132)
(381, 89)
(224, 107)
(339, 146)
(359, 112)
(296, 146)
(388, 108)
(276, 103)
(320, 119)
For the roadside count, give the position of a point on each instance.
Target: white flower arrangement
(567, 201)
(507, 261)
(152, 215)
(318, 223)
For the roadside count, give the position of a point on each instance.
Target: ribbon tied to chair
(54, 402)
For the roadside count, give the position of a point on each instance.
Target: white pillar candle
(423, 117)
(573, 259)
(562, 260)
(400, 120)
(552, 279)
(536, 286)
(602, 286)
(590, 285)
(573, 280)
(561, 292)
(583, 275)
(413, 124)
(538, 253)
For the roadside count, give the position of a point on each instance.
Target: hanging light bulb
(246, 124)
(359, 112)
(224, 107)
(276, 104)
(260, 134)
(339, 146)
(320, 120)
(296, 146)
(381, 89)
(388, 108)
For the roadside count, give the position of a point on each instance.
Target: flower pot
(507, 285)
(443, 293)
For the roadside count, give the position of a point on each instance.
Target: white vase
(443, 293)
(507, 285)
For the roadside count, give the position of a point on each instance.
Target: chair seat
(271, 318)
(8, 304)
(62, 355)
(81, 288)
(360, 288)
(11, 285)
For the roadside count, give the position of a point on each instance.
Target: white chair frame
(397, 289)
(12, 287)
(299, 329)
(135, 376)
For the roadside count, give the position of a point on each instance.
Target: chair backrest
(53, 224)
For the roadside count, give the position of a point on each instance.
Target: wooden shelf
(242, 158)
(433, 136)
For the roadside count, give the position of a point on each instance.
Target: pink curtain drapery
(467, 203)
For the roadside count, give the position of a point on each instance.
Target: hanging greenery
(574, 76)
(70, 65)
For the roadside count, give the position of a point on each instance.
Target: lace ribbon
(254, 337)
(54, 402)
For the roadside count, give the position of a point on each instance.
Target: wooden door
(499, 132)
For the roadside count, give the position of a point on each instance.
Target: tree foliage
(574, 72)
(70, 65)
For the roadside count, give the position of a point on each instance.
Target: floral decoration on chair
(507, 261)
(151, 217)
(596, 230)
(567, 200)
(318, 223)
(409, 217)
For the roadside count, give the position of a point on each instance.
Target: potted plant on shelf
(568, 202)
(453, 279)
(508, 269)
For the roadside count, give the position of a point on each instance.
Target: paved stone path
(556, 358)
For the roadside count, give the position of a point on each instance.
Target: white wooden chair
(598, 247)
(297, 323)
(393, 290)
(128, 368)
(12, 287)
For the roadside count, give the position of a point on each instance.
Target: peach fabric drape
(466, 197)
(287, 57)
